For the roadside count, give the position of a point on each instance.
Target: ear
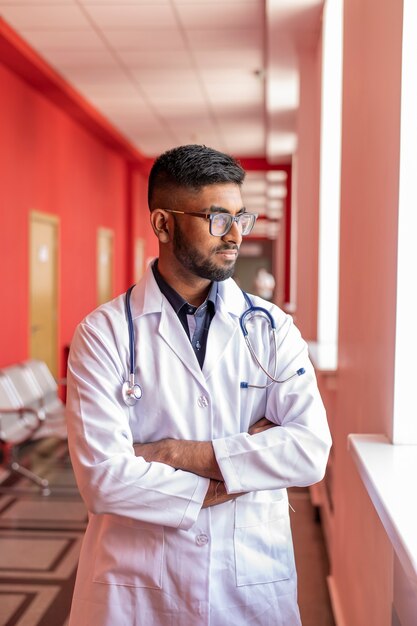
(160, 225)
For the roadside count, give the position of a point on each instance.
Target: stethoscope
(259, 311)
(132, 391)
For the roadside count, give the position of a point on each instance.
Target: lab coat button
(201, 540)
(202, 402)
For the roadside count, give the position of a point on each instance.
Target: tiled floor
(40, 539)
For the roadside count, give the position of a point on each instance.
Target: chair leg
(10, 462)
(26, 473)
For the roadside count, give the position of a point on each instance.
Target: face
(194, 248)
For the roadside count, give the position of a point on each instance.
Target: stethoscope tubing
(254, 311)
(132, 390)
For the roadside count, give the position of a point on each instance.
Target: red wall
(51, 163)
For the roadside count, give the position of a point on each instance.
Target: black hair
(192, 167)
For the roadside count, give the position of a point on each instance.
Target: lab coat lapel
(147, 299)
(224, 325)
(230, 303)
(173, 333)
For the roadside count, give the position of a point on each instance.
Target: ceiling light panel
(276, 175)
(254, 187)
(254, 176)
(247, 141)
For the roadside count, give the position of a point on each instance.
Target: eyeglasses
(221, 223)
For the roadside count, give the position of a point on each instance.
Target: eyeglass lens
(221, 223)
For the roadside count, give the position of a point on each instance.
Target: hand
(159, 451)
(217, 494)
(191, 456)
(260, 426)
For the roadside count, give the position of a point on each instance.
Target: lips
(229, 254)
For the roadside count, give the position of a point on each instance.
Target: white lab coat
(151, 556)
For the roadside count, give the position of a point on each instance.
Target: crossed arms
(196, 457)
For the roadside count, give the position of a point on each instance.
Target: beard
(195, 262)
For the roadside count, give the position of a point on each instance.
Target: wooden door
(43, 297)
(105, 253)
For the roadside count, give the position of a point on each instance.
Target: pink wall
(306, 204)
(362, 559)
(52, 163)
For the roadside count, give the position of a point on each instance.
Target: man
(186, 488)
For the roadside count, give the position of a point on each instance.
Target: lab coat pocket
(131, 553)
(262, 541)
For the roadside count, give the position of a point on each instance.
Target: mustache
(224, 247)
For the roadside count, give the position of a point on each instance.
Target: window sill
(323, 357)
(388, 472)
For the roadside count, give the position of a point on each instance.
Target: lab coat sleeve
(295, 452)
(111, 479)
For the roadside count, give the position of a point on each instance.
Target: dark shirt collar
(174, 298)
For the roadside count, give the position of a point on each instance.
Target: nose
(234, 235)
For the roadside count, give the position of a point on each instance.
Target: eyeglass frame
(210, 216)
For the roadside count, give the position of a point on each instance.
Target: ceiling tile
(241, 58)
(231, 77)
(227, 99)
(179, 105)
(97, 59)
(144, 40)
(248, 14)
(123, 108)
(185, 70)
(197, 135)
(6, 3)
(153, 142)
(224, 39)
(132, 16)
(72, 39)
(155, 59)
(124, 2)
(97, 82)
(192, 2)
(44, 16)
(163, 83)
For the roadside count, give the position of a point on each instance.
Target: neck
(192, 288)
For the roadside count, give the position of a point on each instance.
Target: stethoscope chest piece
(131, 393)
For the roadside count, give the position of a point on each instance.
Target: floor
(40, 538)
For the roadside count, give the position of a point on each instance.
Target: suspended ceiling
(169, 72)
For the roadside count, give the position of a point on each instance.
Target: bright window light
(330, 158)
(405, 422)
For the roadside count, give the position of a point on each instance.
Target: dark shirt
(195, 320)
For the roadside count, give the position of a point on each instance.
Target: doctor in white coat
(186, 489)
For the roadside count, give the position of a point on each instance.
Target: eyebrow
(220, 209)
